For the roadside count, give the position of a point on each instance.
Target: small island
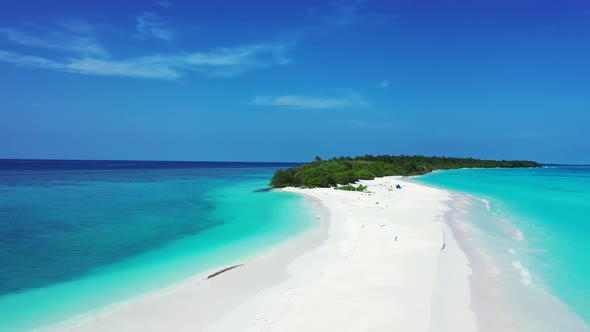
(346, 170)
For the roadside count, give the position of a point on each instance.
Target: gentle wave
(524, 273)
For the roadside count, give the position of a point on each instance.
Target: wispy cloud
(308, 102)
(232, 61)
(223, 62)
(383, 84)
(164, 3)
(28, 60)
(71, 46)
(64, 40)
(144, 67)
(344, 13)
(150, 25)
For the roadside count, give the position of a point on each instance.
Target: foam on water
(524, 273)
(530, 260)
(486, 203)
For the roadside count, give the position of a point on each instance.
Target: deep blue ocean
(536, 227)
(76, 236)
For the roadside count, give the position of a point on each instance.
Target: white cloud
(139, 67)
(146, 67)
(383, 84)
(164, 3)
(231, 61)
(307, 102)
(225, 62)
(74, 49)
(59, 40)
(149, 25)
(27, 60)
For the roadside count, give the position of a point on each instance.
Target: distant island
(346, 170)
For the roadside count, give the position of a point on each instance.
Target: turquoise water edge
(79, 240)
(533, 225)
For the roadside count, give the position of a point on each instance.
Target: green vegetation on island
(349, 187)
(346, 170)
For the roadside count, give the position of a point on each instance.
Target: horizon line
(241, 161)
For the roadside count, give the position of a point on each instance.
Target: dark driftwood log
(263, 190)
(223, 270)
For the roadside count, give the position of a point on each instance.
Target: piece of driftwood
(223, 270)
(263, 190)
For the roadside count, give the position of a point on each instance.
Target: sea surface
(78, 236)
(533, 225)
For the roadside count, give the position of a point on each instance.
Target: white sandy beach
(347, 274)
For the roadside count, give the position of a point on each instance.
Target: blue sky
(285, 81)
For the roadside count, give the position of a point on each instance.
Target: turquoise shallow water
(77, 238)
(539, 219)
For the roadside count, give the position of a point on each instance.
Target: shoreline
(374, 261)
(506, 296)
(137, 313)
(503, 297)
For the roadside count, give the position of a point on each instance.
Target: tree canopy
(346, 170)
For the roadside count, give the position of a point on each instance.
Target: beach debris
(223, 270)
(383, 225)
